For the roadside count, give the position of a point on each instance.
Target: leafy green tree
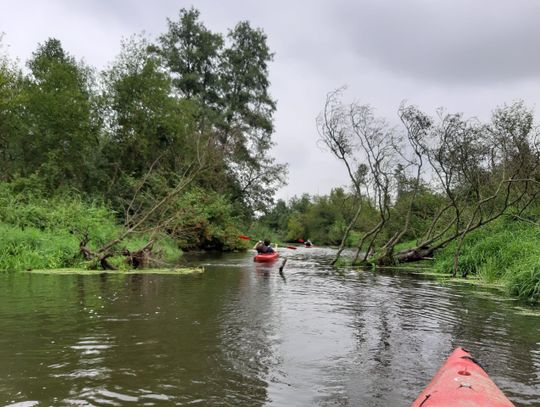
(191, 53)
(296, 228)
(229, 85)
(277, 218)
(59, 138)
(145, 122)
(248, 113)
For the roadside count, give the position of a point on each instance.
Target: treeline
(321, 218)
(325, 218)
(173, 137)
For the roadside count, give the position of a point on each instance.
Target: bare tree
(362, 141)
(335, 133)
(417, 125)
(478, 171)
(483, 170)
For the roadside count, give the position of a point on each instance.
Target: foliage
(205, 220)
(56, 137)
(505, 252)
(44, 232)
(227, 81)
(321, 219)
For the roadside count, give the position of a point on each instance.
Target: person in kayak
(264, 247)
(308, 243)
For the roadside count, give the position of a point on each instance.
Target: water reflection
(241, 335)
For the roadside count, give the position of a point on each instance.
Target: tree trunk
(409, 255)
(139, 258)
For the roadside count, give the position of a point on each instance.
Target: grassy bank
(38, 232)
(505, 253)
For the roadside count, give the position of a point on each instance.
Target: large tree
(246, 131)
(144, 121)
(227, 79)
(10, 118)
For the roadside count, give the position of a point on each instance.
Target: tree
(365, 144)
(191, 53)
(59, 137)
(10, 118)
(473, 172)
(229, 84)
(144, 121)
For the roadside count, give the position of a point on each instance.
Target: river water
(241, 335)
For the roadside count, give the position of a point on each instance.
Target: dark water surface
(239, 335)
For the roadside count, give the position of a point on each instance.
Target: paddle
(243, 237)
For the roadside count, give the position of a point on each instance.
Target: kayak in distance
(266, 257)
(461, 382)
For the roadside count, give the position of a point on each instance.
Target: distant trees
(322, 219)
(461, 174)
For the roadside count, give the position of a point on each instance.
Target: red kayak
(461, 382)
(266, 257)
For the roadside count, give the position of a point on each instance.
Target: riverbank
(45, 232)
(505, 254)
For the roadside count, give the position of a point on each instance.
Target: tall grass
(39, 232)
(32, 248)
(506, 252)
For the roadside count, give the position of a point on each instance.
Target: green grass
(21, 249)
(505, 253)
(38, 232)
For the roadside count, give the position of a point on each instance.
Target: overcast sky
(466, 55)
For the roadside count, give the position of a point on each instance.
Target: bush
(205, 221)
(33, 248)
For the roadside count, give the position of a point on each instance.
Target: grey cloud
(456, 41)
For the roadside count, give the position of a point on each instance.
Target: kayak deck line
(461, 382)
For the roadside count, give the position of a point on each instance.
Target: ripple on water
(241, 335)
(117, 397)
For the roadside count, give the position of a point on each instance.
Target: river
(241, 335)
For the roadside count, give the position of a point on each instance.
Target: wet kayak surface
(240, 334)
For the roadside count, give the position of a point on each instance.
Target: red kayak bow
(461, 382)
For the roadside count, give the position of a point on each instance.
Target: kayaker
(308, 243)
(263, 246)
